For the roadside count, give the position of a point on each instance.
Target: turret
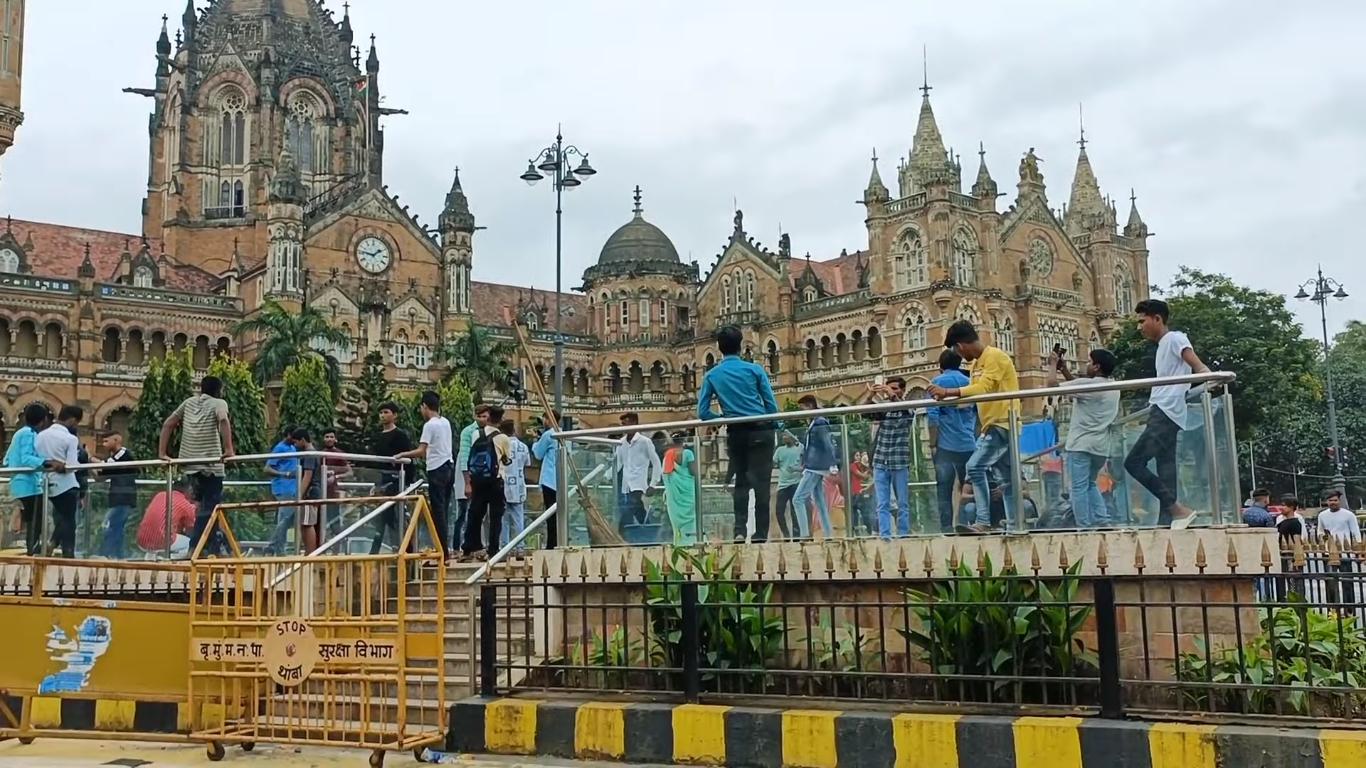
(1135, 227)
(928, 163)
(1086, 208)
(189, 21)
(876, 191)
(285, 231)
(457, 248)
(984, 188)
(348, 35)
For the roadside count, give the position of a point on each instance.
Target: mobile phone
(879, 380)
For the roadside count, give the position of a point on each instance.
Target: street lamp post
(1324, 288)
(555, 160)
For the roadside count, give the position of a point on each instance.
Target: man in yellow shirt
(992, 371)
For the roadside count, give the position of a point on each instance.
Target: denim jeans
(890, 485)
(115, 521)
(992, 452)
(812, 486)
(515, 514)
(284, 523)
(949, 466)
(1088, 506)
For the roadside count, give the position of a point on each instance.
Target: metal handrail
(1213, 377)
(234, 459)
(540, 520)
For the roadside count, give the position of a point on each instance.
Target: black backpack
(483, 457)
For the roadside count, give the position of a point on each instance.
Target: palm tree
(481, 361)
(288, 337)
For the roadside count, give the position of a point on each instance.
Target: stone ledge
(745, 737)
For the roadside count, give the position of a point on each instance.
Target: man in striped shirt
(206, 433)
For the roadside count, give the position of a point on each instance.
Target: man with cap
(1257, 514)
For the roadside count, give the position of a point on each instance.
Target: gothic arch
(210, 90)
(107, 408)
(311, 87)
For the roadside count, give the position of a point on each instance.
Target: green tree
(457, 405)
(1233, 328)
(306, 400)
(246, 404)
(168, 382)
(288, 337)
(478, 359)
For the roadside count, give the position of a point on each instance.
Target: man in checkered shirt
(891, 459)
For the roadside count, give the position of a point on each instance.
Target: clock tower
(457, 250)
(285, 233)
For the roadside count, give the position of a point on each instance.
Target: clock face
(373, 255)
(1040, 258)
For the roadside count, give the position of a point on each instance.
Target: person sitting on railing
(1166, 414)
(742, 388)
(27, 487)
(1088, 435)
(205, 434)
(818, 460)
(58, 443)
(992, 372)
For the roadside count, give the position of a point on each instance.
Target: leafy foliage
(478, 360)
(1233, 328)
(738, 629)
(288, 337)
(246, 404)
(358, 410)
(307, 400)
(169, 382)
(1300, 648)
(992, 627)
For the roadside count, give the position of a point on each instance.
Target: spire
(876, 189)
(285, 186)
(1135, 227)
(347, 33)
(87, 267)
(985, 186)
(928, 162)
(372, 61)
(188, 21)
(637, 209)
(164, 40)
(1085, 206)
(456, 216)
(235, 266)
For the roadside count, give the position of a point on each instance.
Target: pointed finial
(1103, 557)
(982, 151)
(1170, 557)
(1232, 557)
(874, 155)
(1201, 561)
(1081, 125)
(1139, 561)
(1133, 197)
(925, 71)
(638, 209)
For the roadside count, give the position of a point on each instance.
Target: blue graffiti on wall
(79, 655)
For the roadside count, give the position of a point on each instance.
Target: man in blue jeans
(123, 495)
(952, 437)
(891, 459)
(284, 486)
(818, 460)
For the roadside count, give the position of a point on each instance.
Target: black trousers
(751, 456)
(64, 521)
(552, 528)
(31, 511)
(1157, 443)
(440, 484)
(486, 502)
(783, 510)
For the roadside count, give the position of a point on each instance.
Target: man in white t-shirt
(1339, 520)
(1166, 413)
(435, 447)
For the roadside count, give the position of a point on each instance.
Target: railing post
(692, 675)
(562, 508)
(1107, 648)
(1212, 457)
(488, 640)
(1230, 432)
(170, 491)
(1016, 475)
(697, 484)
(851, 517)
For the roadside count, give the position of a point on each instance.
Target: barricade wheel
(26, 740)
(248, 746)
(377, 759)
(215, 751)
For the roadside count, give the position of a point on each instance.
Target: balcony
(908, 203)
(860, 370)
(832, 304)
(739, 317)
(123, 371)
(1055, 296)
(638, 398)
(20, 363)
(963, 201)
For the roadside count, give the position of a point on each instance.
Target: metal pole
(1339, 482)
(1212, 458)
(488, 640)
(692, 658)
(44, 521)
(1016, 477)
(170, 491)
(1251, 464)
(559, 314)
(697, 484)
(298, 508)
(562, 506)
(401, 513)
(1229, 429)
(1107, 649)
(847, 473)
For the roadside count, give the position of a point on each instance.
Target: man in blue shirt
(953, 436)
(547, 451)
(284, 486)
(743, 389)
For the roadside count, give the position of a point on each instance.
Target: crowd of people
(481, 473)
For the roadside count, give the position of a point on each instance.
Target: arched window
(773, 358)
(909, 267)
(809, 294)
(625, 314)
(874, 343)
(644, 313)
(964, 258)
(1124, 290)
(400, 352)
(172, 149)
(917, 336)
(9, 261)
(614, 379)
(421, 351)
(111, 351)
(725, 295)
(663, 313)
(1003, 333)
(710, 361)
(226, 130)
(813, 360)
(657, 377)
(304, 134)
(142, 276)
(967, 312)
(749, 290)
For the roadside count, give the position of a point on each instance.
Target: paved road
(54, 753)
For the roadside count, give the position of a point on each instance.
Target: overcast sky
(1241, 125)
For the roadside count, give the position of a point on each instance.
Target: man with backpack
(490, 452)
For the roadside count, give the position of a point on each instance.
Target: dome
(638, 240)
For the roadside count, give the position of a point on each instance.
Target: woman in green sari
(680, 490)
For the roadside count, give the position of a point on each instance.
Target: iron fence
(1281, 639)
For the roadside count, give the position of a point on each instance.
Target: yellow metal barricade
(338, 651)
(93, 649)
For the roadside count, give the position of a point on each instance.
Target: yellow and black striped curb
(53, 713)
(742, 737)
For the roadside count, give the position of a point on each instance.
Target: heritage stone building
(266, 181)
